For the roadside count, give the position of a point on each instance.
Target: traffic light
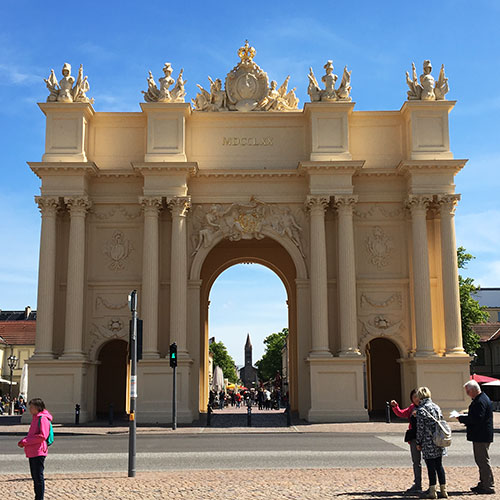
(173, 355)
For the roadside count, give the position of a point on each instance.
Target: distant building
(490, 297)
(248, 374)
(17, 337)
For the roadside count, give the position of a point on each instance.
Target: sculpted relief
(427, 89)
(246, 89)
(64, 90)
(117, 249)
(240, 221)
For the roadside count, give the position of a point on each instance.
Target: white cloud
(490, 276)
(478, 232)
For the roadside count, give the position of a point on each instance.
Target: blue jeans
(37, 465)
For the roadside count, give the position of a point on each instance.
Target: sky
(119, 42)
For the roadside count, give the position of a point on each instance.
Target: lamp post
(12, 363)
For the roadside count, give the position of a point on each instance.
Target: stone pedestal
(427, 129)
(154, 393)
(329, 130)
(67, 131)
(444, 376)
(337, 390)
(166, 136)
(62, 384)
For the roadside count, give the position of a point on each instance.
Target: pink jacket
(35, 443)
(406, 413)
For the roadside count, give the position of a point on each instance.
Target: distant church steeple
(248, 352)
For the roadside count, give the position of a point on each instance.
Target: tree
(471, 312)
(224, 360)
(270, 363)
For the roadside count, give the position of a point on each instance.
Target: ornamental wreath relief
(379, 245)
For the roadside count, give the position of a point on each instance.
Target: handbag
(410, 435)
(442, 434)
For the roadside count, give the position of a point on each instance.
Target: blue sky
(118, 42)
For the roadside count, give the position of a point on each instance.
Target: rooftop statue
(428, 89)
(64, 91)
(329, 94)
(164, 94)
(246, 89)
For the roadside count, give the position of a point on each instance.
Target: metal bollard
(111, 414)
(209, 416)
(249, 416)
(387, 412)
(288, 415)
(77, 414)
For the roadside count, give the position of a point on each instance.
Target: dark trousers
(435, 467)
(416, 458)
(482, 459)
(37, 465)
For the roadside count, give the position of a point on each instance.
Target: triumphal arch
(353, 210)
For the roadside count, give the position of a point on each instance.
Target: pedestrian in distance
(410, 413)
(479, 423)
(428, 413)
(40, 437)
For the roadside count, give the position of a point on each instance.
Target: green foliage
(472, 313)
(224, 360)
(270, 363)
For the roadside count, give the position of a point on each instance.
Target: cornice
(409, 166)
(248, 173)
(378, 172)
(166, 167)
(63, 168)
(122, 172)
(318, 167)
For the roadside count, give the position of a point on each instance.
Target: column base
(150, 355)
(426, 354)
(457, 352)
(72, 356)
(350, 353)
(43, 355)
(320, 354)
(337, 390)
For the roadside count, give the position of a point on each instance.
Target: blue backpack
(50, 437)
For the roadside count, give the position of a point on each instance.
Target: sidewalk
(234, 421)
(341, 484)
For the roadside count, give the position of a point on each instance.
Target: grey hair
(472, 384)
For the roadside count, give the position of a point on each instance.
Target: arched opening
(270, 254)
(383, 374)
(112, 378)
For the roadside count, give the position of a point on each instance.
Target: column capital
(418, 202)
(151, 205)
(447, 203)
(78, 205)
(179, 205)
(317, 202)
(48, 205)
(345, 202)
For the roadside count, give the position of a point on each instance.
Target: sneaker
(476, 488)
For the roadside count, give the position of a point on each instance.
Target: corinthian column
(418, 205)
(75, 282)
(451, 293)
(46, 277)
(150, 275)
(179, 207)
(347, 276)
(319, 287)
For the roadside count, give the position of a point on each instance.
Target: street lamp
(12, 363)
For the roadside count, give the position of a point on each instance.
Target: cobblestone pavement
(316, 484)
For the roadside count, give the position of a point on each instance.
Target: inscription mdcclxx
(247, 141)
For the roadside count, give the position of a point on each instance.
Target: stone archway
(383, 373)
(266, 252)
(111, 378)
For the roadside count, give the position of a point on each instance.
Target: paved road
(72, 454)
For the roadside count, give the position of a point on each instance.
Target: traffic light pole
(174, 400)
(133, 386)
(173, 365)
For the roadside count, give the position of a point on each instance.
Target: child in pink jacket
(35, 444)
